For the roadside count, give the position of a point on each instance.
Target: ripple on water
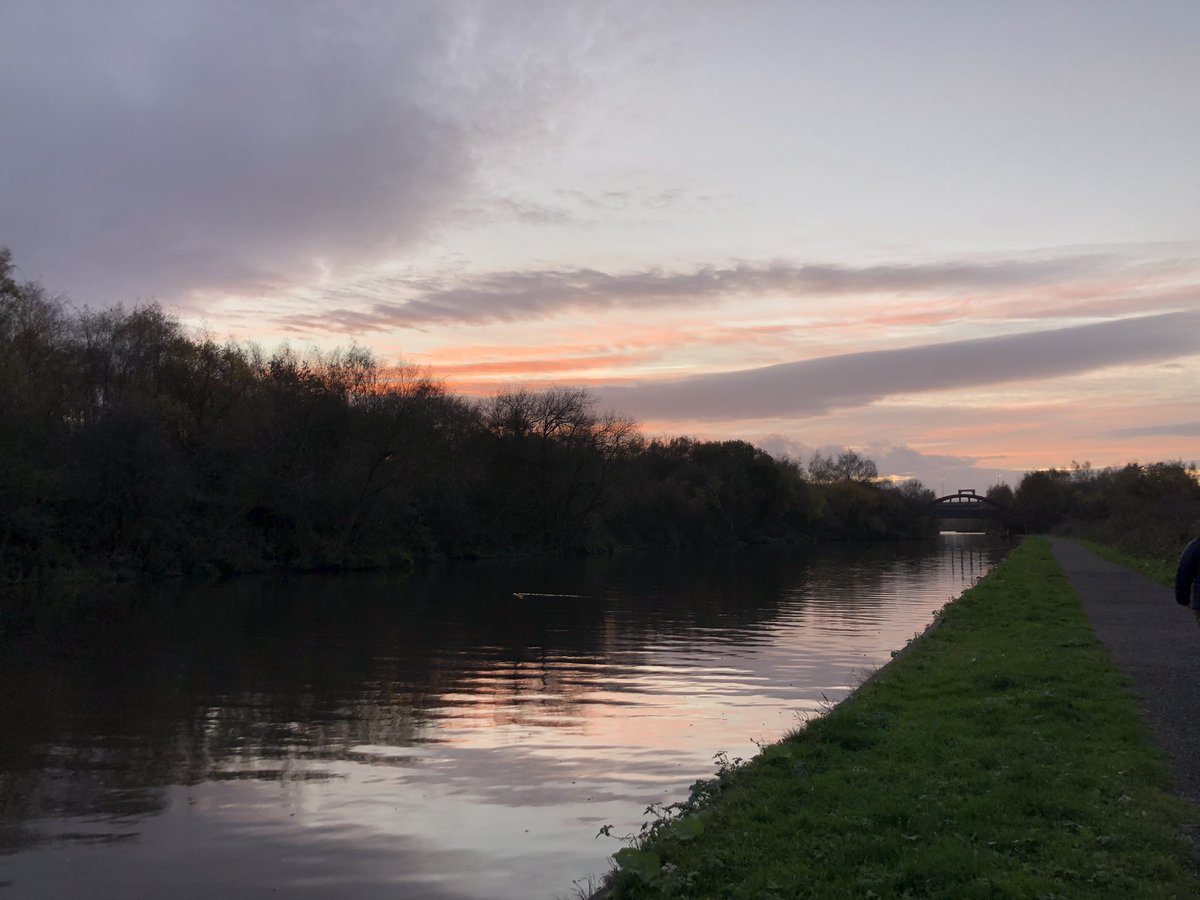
(428, 736)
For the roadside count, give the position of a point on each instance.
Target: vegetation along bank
(132, 447)
(1001, 756)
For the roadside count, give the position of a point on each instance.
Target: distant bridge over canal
(967, 505)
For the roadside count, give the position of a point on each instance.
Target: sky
(961, 238)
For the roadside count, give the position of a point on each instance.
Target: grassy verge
(1160, 570)
(1002, 756)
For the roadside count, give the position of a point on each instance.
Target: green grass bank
(1001, 756)
(1160, 569)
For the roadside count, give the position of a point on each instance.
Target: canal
(460, 732)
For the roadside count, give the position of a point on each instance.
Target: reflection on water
(432, 735)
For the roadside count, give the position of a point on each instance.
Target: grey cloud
(937, 471)
(580, 207)
(166, 146)
(1180, 429)
(533, 294)
(627, 200)
(942, 472)
(817, 386)
(535, 213)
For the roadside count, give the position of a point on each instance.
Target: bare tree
(559, 454)
(847, 466)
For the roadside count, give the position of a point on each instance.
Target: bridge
(967, 505)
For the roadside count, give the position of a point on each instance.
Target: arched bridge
(967, 505)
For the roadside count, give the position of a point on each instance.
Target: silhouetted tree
(129, 445)
(554, 460)
(847, 466)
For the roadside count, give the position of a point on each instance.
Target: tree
(847, 466)
(35, 371)
(1042, 499)
(1002, 494)
(555, 458)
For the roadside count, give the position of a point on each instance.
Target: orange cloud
(482, 387)
(576, 357)
(534, 367)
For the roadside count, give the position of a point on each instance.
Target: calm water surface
(433, 735)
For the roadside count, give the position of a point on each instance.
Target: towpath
(1155, 642)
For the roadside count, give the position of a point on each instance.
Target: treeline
(1150, 511)
(128, 445)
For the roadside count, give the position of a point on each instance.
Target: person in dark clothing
(1187, 578)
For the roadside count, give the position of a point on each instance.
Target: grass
(1160, 570)
(1002, 756)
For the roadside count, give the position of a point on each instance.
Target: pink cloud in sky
(535, 367)
(470, 190)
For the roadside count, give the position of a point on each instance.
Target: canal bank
(1004, 755)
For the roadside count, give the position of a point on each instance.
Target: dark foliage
(128, 446)
(1150, 511)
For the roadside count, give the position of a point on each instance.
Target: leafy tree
(1001, 493)
(1148, 510)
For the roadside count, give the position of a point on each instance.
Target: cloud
(1181, 429)
(940, 471)
(166, 147)
(579, 209)
(899, 462)
(542, 293)
(534, 213)
(629, 200)
(816, 386)
(535, 366)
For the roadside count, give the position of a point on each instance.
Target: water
(432, 735)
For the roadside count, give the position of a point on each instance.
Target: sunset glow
(963, 239)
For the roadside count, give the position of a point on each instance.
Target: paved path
(1156, 642)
